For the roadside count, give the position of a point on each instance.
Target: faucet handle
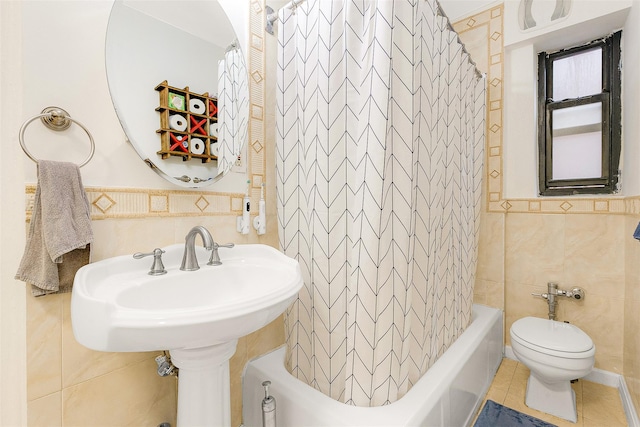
(226, 245)
(545, 295)
(215, 257)
(157, 268)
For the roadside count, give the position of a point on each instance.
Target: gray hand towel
(60, 232)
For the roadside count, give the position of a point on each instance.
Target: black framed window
(579, 118)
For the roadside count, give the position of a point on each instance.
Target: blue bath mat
(495, 415)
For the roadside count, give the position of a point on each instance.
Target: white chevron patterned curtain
(233, 108)
(380, 136)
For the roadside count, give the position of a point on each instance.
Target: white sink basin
(117, 306)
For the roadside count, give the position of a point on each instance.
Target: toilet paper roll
(214, 149)
(213, 131)
(177, 122)
(197, 106)
(197, 146)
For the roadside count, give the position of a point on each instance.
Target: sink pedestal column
(203, 385)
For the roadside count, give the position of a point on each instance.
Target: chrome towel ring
(57, 119)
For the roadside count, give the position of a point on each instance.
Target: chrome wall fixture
(272, 15)
(553, 292)
(57, 119)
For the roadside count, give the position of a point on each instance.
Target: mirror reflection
(179, 84)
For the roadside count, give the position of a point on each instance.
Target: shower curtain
(233, 107)
(379, 149)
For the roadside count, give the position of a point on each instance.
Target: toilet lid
(552, 335)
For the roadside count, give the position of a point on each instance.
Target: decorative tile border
(106, 203)
(619, 206)
(489, 24)
(257, 88)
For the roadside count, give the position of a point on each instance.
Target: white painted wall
(631, 103)
(587, 21)
(237, 12)
(13, 375)
(72, 76)
(63, 65)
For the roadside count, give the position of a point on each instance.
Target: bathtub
(447, 395)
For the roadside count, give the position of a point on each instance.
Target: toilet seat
(552, 338)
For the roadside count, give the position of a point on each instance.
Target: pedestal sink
(197, 315)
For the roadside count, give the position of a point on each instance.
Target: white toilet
(555, 353)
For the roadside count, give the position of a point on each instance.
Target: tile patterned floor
(598, 405)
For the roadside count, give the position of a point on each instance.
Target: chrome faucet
(189, 259)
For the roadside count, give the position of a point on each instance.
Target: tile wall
(520, 252)
(573, 250)
(631, 347)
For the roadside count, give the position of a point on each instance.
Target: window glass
(577, 75)
(577, 156)
(578, 119)
(577, 142)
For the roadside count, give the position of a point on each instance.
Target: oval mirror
(179, 84)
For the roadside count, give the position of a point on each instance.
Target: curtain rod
(272, 15)
(233, 46)
(441, 12)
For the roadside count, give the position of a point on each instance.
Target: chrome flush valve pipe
(553, 292)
